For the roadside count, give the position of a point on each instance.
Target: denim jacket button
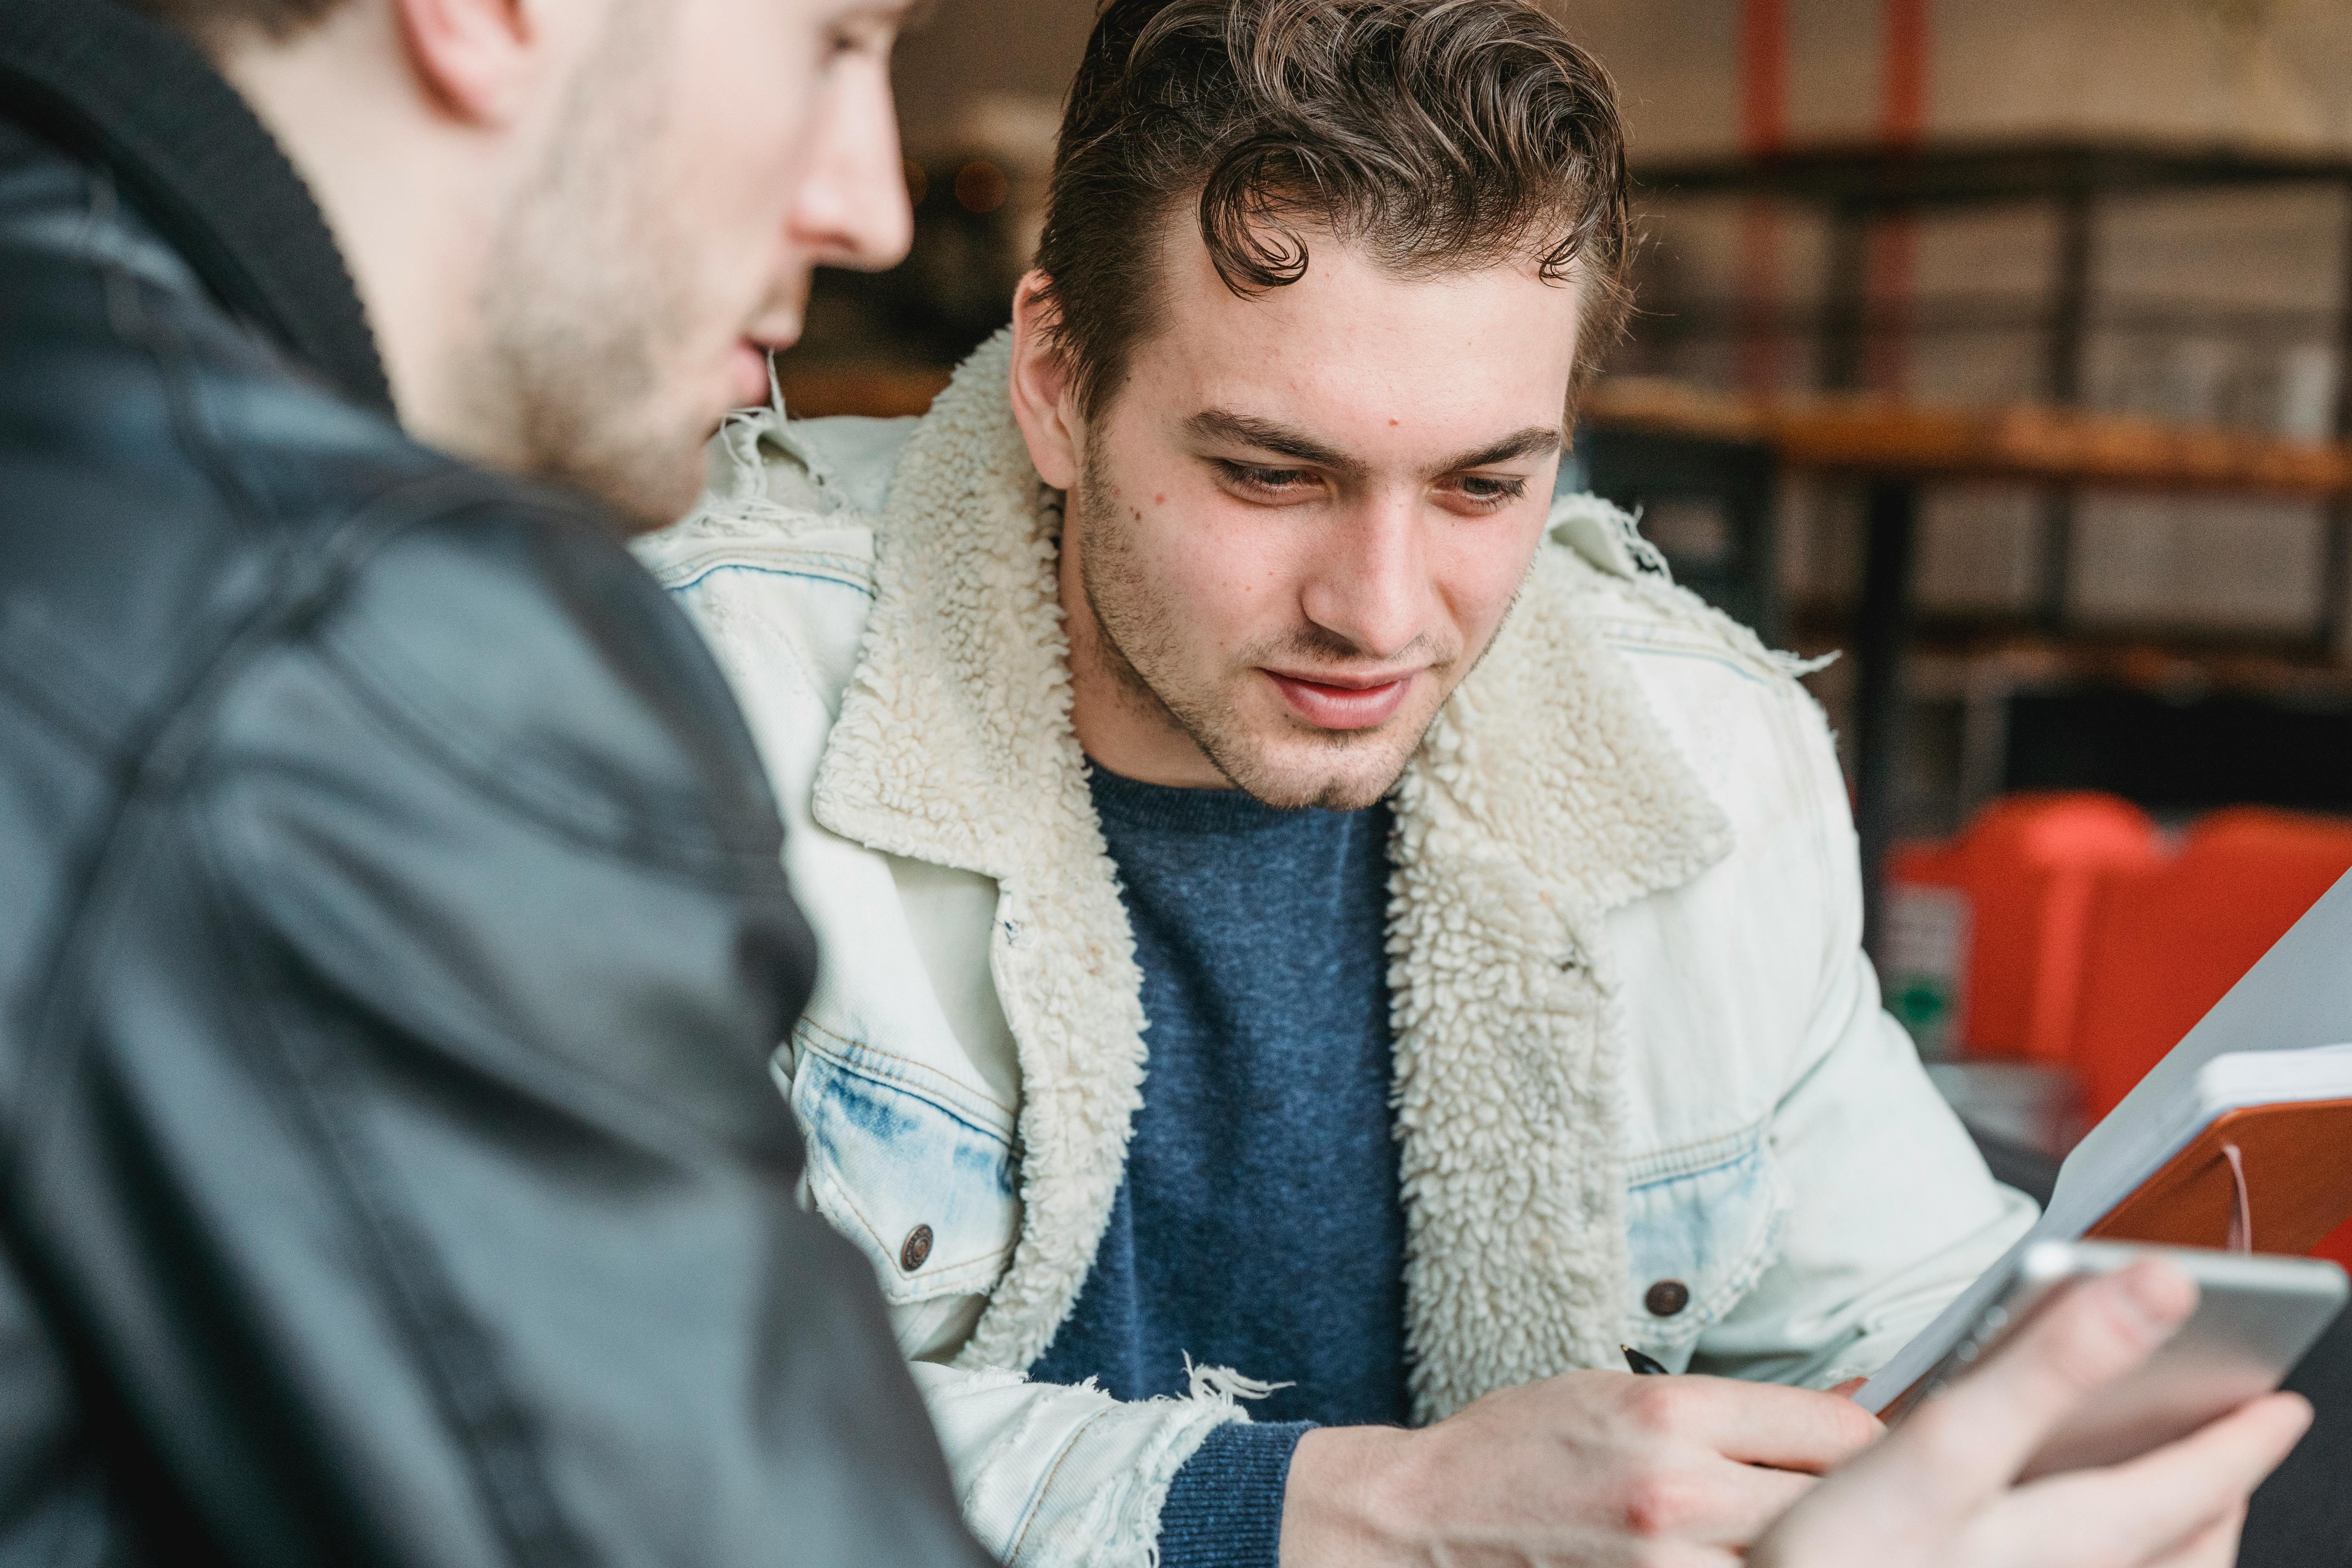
(1667, 1297)
(917, 1248)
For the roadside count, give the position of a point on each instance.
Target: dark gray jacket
(391, 942)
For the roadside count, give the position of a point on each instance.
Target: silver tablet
(2255, 1317)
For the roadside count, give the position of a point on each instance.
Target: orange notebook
(2296, 1159)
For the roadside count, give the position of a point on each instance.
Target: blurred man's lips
(1342, 704)
(749, 385)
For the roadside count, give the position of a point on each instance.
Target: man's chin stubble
(1244, 762)
(1322, 790)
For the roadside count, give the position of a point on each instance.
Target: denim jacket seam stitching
(944, 1272)
(1698, 1156)
(693, 575)
(1037, 1501)
(850, 1055)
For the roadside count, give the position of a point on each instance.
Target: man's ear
(477, 59)
(1043, 400)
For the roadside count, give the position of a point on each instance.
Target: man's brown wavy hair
(1437, 135)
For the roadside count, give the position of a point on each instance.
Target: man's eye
(1251, 477)
(1483, 488)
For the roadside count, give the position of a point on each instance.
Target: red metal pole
(1763, 130)
(1895, 244)
(1904, 98)
(1763, 76)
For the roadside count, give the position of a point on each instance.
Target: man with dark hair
(394, 934)
(1213, 674)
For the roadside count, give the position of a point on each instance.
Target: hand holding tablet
(1942, 1490)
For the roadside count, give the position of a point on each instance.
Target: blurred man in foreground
(394, 936)
(394, 932)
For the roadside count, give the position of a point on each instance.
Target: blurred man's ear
(1043, 400)
(478, 59)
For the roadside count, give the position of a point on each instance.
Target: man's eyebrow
(1535, 441)
(1266, 435)
(1248, 430)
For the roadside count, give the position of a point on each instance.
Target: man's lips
(1343, 704)
(747, 371)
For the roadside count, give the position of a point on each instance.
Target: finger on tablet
(1980, 1433)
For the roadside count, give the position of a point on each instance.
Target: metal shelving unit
(1856, 190)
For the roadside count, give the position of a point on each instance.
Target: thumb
(2091, 1335)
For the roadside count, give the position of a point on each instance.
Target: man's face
(705, 157)
(1303, 517)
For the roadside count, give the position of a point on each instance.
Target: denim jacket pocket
(916, 1170)
(1701, 1223)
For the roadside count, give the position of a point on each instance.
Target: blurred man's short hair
(212, 22)
(1439, 137)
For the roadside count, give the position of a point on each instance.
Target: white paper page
(2244, 1079)
(2298, 996)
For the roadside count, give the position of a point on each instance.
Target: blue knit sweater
(1259, 1225)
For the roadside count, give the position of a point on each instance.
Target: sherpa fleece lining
(1546, 796)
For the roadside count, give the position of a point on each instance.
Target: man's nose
(1370, 586)
(851, 208)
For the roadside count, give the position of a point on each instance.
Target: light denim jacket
(1637, 1040)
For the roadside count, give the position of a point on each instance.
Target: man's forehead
(1483, 351)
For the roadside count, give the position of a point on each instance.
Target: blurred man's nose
(851, 208)
(1372, 585)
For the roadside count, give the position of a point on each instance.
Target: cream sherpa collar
(1546, 796)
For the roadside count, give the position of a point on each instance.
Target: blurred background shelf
(1649, 444)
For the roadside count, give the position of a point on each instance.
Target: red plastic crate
(2166, 942)
(2029, 867)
